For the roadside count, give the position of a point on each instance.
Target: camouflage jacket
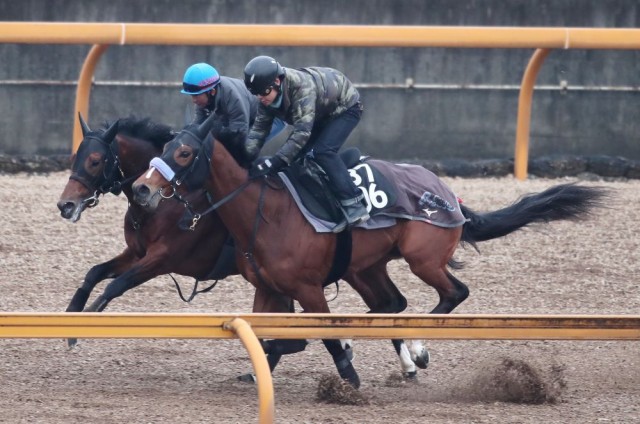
(311, 96)
(235, 108)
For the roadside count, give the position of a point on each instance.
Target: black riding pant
(326, 139)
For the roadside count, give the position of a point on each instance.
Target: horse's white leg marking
(406, 362)
(347, 345)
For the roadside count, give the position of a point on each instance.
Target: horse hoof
(71, 343)
(247, 378)
(350, 375)
(410, 376)
(422, 360)
(354, 381)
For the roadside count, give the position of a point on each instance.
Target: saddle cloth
(392, 192)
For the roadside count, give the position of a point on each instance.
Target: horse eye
(95, 162)
(185, 154)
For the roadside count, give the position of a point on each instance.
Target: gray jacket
(235, 109)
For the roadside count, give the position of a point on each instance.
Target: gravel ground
(589, 267)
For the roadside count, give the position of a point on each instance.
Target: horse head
(94, 171)
(184, 161)
(109, 159)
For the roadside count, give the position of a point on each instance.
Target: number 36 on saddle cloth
(391, 192)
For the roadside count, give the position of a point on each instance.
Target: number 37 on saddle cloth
(391, 192)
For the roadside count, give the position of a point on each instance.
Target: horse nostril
(142, 190)
(66, 209)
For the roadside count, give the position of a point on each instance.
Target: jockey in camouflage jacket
(323, 107)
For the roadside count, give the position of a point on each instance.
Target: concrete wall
(596, 115)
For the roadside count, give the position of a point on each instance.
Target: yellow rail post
(83, 91)
(260, 365)
(521, 158)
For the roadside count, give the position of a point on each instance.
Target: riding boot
(355, 212)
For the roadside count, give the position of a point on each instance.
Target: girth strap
(341, 257)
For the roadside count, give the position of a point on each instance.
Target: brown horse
(107, 161)
(284, 257)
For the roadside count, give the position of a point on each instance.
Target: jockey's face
(270, 95)
(201, 100)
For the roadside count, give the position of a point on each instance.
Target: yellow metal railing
(540, 38)
(250, 327)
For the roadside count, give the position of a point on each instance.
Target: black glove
(268, 165)
(252, 149)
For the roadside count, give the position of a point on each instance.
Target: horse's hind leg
(428, 249)
(451, 291)
(382, 296)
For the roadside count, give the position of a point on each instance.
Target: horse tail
(561, 202)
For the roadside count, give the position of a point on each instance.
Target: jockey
(234, 106)
(323, 107)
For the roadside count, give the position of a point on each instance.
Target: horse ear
(205, 127)
(83, 125)
(111, 132)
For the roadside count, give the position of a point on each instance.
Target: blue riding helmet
(199, 78)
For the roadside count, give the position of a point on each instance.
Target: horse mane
(145, 129)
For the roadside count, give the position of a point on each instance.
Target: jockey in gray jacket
(234, 106)
(323, 107)
(228, 98)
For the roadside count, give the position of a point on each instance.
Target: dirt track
(588, 268)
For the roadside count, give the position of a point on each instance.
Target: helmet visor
(195, 89)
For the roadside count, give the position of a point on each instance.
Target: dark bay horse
(284, 257)
(107, 161)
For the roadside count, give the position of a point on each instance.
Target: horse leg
(96, 274)
(382, 296)
(428, 249)
(269, 301)
(451, 291)
(150, 266)
(312, 300)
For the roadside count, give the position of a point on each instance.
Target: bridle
(196, 169)
(112, 175)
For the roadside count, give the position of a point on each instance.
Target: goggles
(262, 93)
(196, 89)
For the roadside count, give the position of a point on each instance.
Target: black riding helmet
(260, 73)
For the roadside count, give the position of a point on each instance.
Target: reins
(197, 216)
(254, 234)
(195, 290)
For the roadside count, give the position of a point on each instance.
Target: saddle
(312, 185)
(391, 192)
